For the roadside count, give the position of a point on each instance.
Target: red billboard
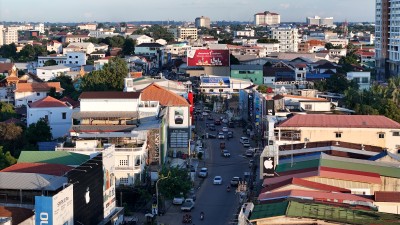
(206, 57)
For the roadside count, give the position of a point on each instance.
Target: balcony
(288, 135)
(98, 149)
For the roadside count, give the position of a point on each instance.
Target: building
(87, 26)
(140, 39)
(50, 72)
(79, 38)
(288, 38)
(71, 58)
(267, 18)
(184, 33)
(26, 93)
(149, 49)
(254, 73)
(363, 79)
(376, 130)
(9, 34)
(318, 21)
(55, 46)
(202, 22)
(55, 112)
(86, 47)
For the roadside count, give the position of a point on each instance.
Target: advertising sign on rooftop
(206, 57)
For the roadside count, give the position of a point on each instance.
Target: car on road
(242, 139)
(224, 120)
(224, 129)
(250, 152)
(217, 180)
(246, 144)
(221, 135)
(205, 114)
(203, 172)
(226, 153)
(178, 200)
(211, 127)
(217, 122)
(230, 134)
(235, 181)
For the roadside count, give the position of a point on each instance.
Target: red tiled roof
(341, 121)
(47, 102)
(18, 215)
(315, 195)
(304, 183)
(387, 196)
(70, 101)
(153, 92)
(42, 168)
(109, 95)
(5, 67)
(38, 87)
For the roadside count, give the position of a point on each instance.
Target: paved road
(219, 205)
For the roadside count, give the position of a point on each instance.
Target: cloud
(285, 5)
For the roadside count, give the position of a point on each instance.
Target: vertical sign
(268, 165)
(109, 180)
(43, 210)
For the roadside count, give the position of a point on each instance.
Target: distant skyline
(182, 10)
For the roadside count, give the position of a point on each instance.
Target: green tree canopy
(267, 40)
(6, 159)
(66, 84)
(7, 111)
(11, 137)
(178, 181)
(9, 51)
(39, 131)
(129, 47)
(110, 77)
(50, 62)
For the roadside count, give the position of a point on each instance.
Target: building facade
(318, 21)
(386, 49)
(288, 38)
(202, 22)
(267, 18)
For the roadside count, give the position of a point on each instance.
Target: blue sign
(216, 81)
(43, 210)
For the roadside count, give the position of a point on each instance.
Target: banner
(206, 57)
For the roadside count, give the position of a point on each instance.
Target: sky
(182, 10)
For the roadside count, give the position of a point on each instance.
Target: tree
(6, 159)
(233, 60)
(264, 89)
(66, 84)
(6, 111)
(110, 77)
(11, 137)
(129, 47)
(39, 131)
(178, 181)
(329, 46)
(267, 41)
(9, 51)
(50, 62)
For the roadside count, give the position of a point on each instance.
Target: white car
(242, 139)
(226, 153)
(217, 180)
(205, 114)
(221, 135)
(224, 129)
(225, 120)
(203, 172)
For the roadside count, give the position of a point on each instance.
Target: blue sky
(181, 10)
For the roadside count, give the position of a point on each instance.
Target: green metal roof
(269, 210)
(55, 157)
(323, 212)
(297, 165)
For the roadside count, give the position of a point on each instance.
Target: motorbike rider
(228, 188)
(202, 215)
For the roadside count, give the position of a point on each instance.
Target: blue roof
(318, 76)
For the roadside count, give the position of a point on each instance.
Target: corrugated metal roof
(31, 181)
(304, 183)
(42, 168)
(387, 196)
(55, 157)
(269, 210)
(341, 121)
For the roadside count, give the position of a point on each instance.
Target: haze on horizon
(182, 10)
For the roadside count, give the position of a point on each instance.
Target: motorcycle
(201, 216)
(228, 189)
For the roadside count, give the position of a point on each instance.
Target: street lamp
(162, 178)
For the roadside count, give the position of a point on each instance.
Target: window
(308, 107)
(364, 80)
(70, 57)
(123, 180)
(76, 62)
(338, 134)
(381, 135)
(221, 90)
(211, 90)
(64, 115)
(37, 94)
(76, 57)
(123, 162)
(396, 133)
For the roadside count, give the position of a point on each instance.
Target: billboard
(55, 210)
(206, 57)
(109, 180)
(222, 82)
(179, 117)
(268, 166)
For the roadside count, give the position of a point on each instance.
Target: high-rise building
(1, 35)
(39, 27)
(267, 18)
(318, 21)
(288, 38)
(184, 33)
(10, 35)
(202, 22)
(387, 43)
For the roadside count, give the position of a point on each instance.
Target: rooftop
(38, 87)
(54, 157)
(31, 181)
(154, 92)
(342, 121)
(304, 183)
(109, 95)
(42, 168)
(48, 102)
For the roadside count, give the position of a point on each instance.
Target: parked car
(224, 129)
(187, 205)
(203, 172)
(235, 181)
(242, 139)
(178, 200)
(211, 127)
(221, 135)
(246, 144)
(224, 120)
(230, 134)
(217, 180)
(226, 153)
(217, 122)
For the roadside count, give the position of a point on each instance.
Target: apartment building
(387, 37)
(9, 35)
(202, 21)
(267, 18)
(318, 21)
(184, 33)
(288, 38)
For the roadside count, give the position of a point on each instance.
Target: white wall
(59, 126)
(76, 58)
(46, 74)
(114, 105)
(23, 98)
(316, 106)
